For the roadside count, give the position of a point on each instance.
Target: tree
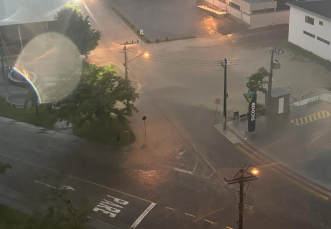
(99, 93)
(257, 81)
(78, 28)
(60, 214)
(4, 167)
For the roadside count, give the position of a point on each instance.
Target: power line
(195, 62)
(250, 57)
(181, 62)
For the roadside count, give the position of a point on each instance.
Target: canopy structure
(22, 20)
(15, 12)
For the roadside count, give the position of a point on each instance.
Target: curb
(320, 189)
(137, 31)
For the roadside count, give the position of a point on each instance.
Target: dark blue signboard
(251, 98)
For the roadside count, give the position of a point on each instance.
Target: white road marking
(65, 187)
(182, 170)
(119, 200)
(170, 208)
(50, 186)
(150, 207)
(180, 154)
(189, 214)
(209, 221)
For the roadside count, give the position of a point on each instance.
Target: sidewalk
(289, 148)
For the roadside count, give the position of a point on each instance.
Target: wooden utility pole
(126, 66)
(272, 66)
(270, 80)
(126, 57)
(2, 50)
(240, 179)
(125, 62)
(224, 65)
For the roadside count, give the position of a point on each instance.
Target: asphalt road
(187, 188)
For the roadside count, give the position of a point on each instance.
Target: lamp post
(240, 179)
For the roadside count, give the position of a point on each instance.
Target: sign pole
(225, 92)
(251, 99)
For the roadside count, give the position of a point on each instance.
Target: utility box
(279, 101)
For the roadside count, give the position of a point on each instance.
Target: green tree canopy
(4, 167)
(78, 28)
(257, 81)
(99, 93)
(60, 214)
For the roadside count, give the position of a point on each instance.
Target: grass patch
(28, 115)
(128, 23)
(11, 218)
(98, 132)
(106, 134)
(302, 52)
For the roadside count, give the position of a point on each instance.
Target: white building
(310, 26)
(14, 12)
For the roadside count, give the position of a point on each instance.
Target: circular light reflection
(56, 62)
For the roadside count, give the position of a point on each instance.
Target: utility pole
(224, 65)
(126, 66)
(2, 50)
(240, 179)
(273, 52)
(125, 62)
(126, 58)
(270, 80)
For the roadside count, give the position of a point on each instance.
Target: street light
(145, 54)
(240, 178)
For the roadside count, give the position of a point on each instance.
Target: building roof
(322, 8)
(28, 11)
(258, 1)
(280, 91)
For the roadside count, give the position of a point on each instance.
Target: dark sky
(24, 11)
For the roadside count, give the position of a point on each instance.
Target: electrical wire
(195, 62)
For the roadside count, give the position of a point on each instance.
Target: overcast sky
(26, 11)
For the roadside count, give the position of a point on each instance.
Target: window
(309, 20)
(323, 40)
(321, 23)
(309, 34)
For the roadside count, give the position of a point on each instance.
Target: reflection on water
(56, 62)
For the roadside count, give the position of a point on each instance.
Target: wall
(296, 35)
(235, 12)
(246, 18)
(248, 7)
(268, 19)
(263, 5)
(256, 20)
(29, 30)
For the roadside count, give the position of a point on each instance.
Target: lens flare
(25, 76)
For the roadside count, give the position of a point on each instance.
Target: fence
(269, 18)
(13, 33)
